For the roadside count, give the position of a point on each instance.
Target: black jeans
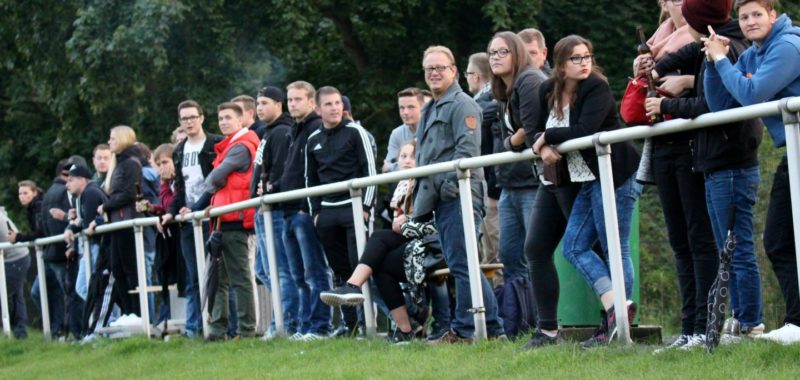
(779, 242)
(384, 254)
(682, 195)
(548, 220)
(337, 234)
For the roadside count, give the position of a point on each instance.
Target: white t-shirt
(192, 171)
(578, 170)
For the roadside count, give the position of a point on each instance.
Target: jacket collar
(449, 95)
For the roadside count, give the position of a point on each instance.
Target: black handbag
(558, 173)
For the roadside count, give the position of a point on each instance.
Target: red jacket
(237, 187)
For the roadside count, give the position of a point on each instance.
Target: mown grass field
(138, 358)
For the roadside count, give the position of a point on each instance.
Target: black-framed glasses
(189, 119)
(577, 59)
(439, 69)
(500, 53)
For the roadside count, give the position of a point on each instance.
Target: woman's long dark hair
(519, 61)
(561, 54)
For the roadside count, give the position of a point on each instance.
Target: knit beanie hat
(699, 14)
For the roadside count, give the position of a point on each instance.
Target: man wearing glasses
(193, 159)
(450, 130)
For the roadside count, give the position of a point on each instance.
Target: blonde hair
(303, 85)
(125, 137)
(440, 49)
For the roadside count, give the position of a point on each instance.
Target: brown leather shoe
(450, 337)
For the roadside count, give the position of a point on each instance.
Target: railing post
(791, 122)
(612, 237)
(200, 256)
(4, 295)
(361, 242)
(141, 272)
(272, 263)
(43, 293)
(87, 257)
(473, 262)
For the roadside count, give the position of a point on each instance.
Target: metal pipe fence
(789, 108)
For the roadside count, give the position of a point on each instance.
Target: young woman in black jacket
(578, 102)
(31, 197)
(515, 85)
(122, 181)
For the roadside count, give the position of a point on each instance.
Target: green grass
(349, 359)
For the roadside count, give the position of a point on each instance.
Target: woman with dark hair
(580, 103)
(515, 85)
(31, 197)
(123, 179)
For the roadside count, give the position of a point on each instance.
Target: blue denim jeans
(586, 225)
(736, 188)
(81, 285)
(451, 236)
(513, 210)
(289, 296)
(54, 276)
(192, 294)
(309, 271)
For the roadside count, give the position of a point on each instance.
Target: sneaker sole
(339, 300)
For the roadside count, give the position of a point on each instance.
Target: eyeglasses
(439, 69)
(500, 53)
(576, 59)
(188, 119)
(676, 2)
(469, 73)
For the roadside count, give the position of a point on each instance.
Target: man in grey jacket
(450, 130)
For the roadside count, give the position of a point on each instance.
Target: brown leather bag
(558, 173)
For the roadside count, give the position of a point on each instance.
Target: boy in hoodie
(768, 70)
(727, 155)
(268, 164)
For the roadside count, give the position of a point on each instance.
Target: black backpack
(516, 306)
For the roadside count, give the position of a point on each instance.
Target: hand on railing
(69, 237)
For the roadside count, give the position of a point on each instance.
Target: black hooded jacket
(727, 146)
(294, 169)
(55, 197)
(126, 180)
(271, 154)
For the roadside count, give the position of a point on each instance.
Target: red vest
(237, 188)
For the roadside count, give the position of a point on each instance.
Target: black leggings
(384, 254)
(548, 221)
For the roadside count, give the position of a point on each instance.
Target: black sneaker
(600, 334)
(346, 295)
(540, 339)
(400, 338)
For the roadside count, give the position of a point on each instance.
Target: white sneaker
(788, 334)
(312, 337)
(680, 342)
(696, 340)
(754, 332)
(298, 336)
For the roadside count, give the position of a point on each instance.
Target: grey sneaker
(680, 342)
(695, 341)
(345, 295)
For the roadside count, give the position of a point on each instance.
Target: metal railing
(789, 108)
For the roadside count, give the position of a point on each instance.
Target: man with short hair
(249, 120)
(303, 248)
(88, 196)
(537, 49)
(338, 152)
(228, 183)
(101, 159)
(267, 171)
(448, 131)
(193, 158)
(409, 103)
